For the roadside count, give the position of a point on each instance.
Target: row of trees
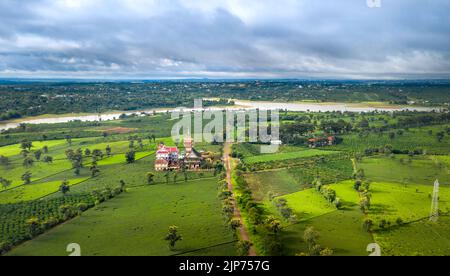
(328, 193)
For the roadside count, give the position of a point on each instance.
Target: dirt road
(237, 213)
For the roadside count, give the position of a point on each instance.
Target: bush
(243, 248)
(82, 206)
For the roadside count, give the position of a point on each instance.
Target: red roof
(172, 149)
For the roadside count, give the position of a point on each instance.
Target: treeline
(266, 228)
(423, 120)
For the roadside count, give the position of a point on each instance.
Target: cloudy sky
(154, 39)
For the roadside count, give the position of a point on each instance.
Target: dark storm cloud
(234, 38)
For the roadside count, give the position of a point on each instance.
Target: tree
(70, 153)
(28, 162)
(97, 153)
(273, 224)
(94, 171)
(108, 150)
(173, 237)
(130, 157)
(235, 224)
(326, 252)
(34, 226)
(64, 188)
(357, 184)
(87, 152)
(45, 149)
(310, 236)
(243, 247)
(150, 178)
(364, 203)
(24, 153)
(122, 185)
(4, 161)
(48, 159)
(440, 136)
(364, 123)
(26, 145)
(367, 225)
(38, 154)
(5, 183)
(69, 140)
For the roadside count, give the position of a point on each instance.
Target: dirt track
(237, 213)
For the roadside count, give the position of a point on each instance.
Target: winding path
(237, 213)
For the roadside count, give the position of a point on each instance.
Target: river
(311, 107)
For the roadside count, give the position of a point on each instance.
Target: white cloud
(224, 38)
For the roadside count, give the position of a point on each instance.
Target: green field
(410, 203)
(417, 239)
(136, 222)
(308, 204)
(282, 156)
(415, 138)
(341, 230)
(277, 182)
(35, 191)
(420, 170)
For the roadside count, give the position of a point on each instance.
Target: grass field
(341, 230)
(47, 177)
(420, 238)
(136, 223)
(412, 202)
(308, 204)
(282, 156)
(413, 139)
(421, 170)
(329, 171)
(278, 182)
(35, 191)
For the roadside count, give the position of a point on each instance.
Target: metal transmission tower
(434, 215)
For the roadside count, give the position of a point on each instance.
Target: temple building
(170, 158)
(191, 159)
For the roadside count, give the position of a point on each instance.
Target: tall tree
(64, 188)
(130, 156)
(26, 178)
(5, 183)
(310, 236)
(150, 178)
(28, 162)
(173, 237)
(38, 154)
(94, 170)
(25, 144)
